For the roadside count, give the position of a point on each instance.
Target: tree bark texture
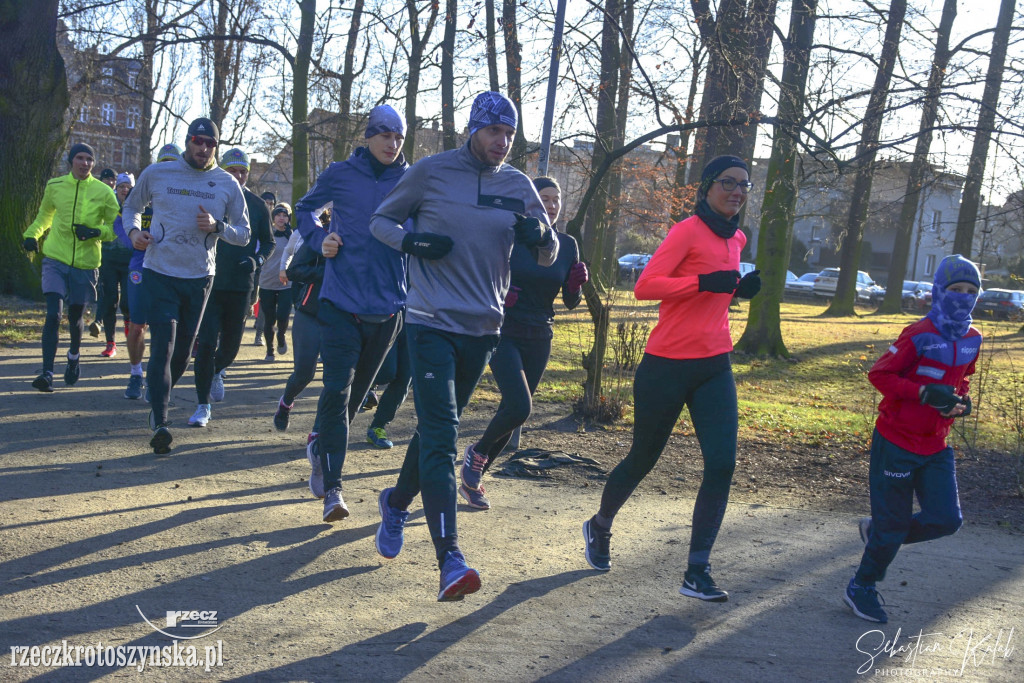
(963, 243)
(346, 124)
(300, 100)
(33, 100)
(849, 256)
(919, 166)
(448, 75)
(763, 334)
(513, 67)
(417, 44)
(492, 49)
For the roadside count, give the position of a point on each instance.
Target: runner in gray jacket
(467, 209)
(195, 203)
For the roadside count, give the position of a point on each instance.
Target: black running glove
(530, 231)
(247, 265)
(30, 244)
(84, 232)
(749, 286)
(719, 282)
(940, 397)
(427, 245)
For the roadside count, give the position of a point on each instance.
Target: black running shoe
(72, 372)
(598, 548)
(700, 585)
(281, 416)
(44, 382)
(161, 441)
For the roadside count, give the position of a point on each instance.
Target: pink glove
(578, 275)
(513, 296)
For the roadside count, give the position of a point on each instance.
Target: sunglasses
(200, 141)
(730, 184)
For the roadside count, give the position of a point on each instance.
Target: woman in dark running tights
(695, 274)
(522, 354)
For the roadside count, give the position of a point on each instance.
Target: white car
(825, 285)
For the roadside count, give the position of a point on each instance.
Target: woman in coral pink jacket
(695, 274)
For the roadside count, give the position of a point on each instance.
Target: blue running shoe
(134, 390)
(472, 468)
(598, 548)
(73, 371)
(864, 601)
(475, 498)
(391, 532)
(457, 580)
(316, 475)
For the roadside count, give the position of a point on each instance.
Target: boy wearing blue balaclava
(923, 380)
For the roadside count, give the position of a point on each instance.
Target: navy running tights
(660, 390)
(76, 327)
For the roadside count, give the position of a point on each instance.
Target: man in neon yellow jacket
(78, 211)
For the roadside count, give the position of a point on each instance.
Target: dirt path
(96, 531)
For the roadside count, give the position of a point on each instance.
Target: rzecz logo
(185, 619)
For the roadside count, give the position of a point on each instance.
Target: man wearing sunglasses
(195, 204)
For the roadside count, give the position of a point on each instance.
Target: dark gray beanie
(78, 148)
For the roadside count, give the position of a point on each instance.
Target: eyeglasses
(200, 141)
(730, 184)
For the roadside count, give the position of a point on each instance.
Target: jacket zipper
(74, 237)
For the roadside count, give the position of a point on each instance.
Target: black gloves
(720, 281)
(427, 245)
(750, 285)
(84, 232)
(967, 406)
(30, 244)
(940, 397)
(247, 265)
(530, 231)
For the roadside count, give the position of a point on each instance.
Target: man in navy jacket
(363, 291)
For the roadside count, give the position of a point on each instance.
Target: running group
(429, 274)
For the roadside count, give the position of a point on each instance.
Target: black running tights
(76, 327)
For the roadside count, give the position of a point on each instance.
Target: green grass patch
(21, 320)
(822, 394)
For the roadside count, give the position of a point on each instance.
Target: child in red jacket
(923, 380)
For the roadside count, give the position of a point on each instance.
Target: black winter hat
(78, 148)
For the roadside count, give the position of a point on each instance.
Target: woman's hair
(543, 182)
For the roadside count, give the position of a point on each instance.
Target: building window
(107, 113)
(133, 78)
(118, 157)
(108, 76)
(83, 114)
(936, 222)
(132, 119)
(929, 264)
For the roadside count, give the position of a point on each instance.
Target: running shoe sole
(161, 442)
(460, 587)
(311, 456)
(42, 385)
(464, 491)
(690, 593)
(337, 514)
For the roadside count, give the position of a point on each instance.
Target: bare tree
(418, 40)
(763, 334)
(492, 50)
(300, 100)
(849, 258)
(448, 74)
(513, 68)
(964, 241)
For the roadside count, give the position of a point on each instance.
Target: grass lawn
(820, 395)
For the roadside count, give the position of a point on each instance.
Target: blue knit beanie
(384, 119)
(490, 108)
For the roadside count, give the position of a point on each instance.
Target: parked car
(746, 268)
(1007, 304)
(802, 286)
(917, 298)
(867, 291)
(631, 265)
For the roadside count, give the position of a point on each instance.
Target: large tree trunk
(417, 45)
(513, 66)
(893, 301)
(146, 86)
(33, 100)
(492, 49)
(849, 257)
(763, 334)
(346, 125)
(963, 243)
(448, 75)
(220, 57)
(738, 42)
(681, 203)
(300, 100)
